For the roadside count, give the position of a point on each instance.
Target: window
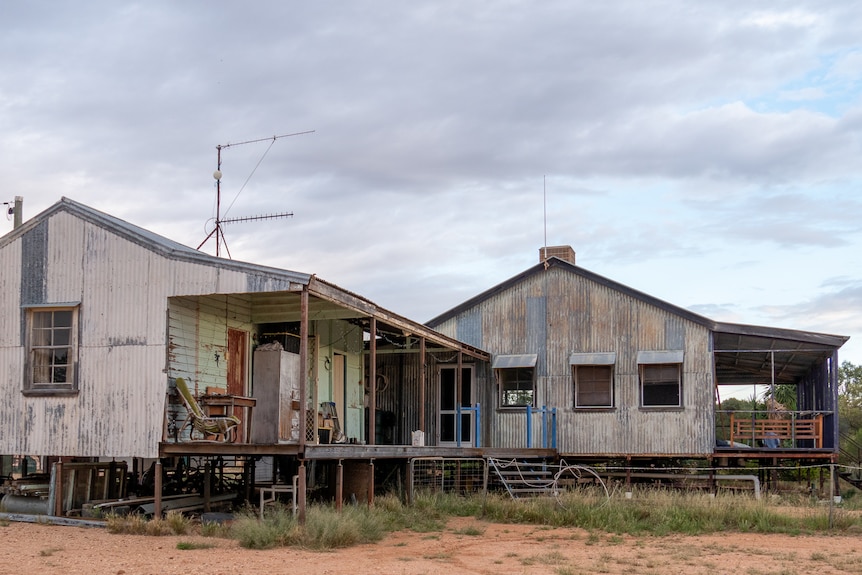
(594, 385)
(661, 385)
(660, 378)
(593, 377)
(52, 348)
(516, 387)
(516, 378)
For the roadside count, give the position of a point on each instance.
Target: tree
(850, 398)
(850, 384)
(850, 411)
(783, 399)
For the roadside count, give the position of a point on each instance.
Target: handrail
(775, 428)
(545, 411)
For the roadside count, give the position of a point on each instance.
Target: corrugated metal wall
(123, 290)
(343, 338)
(11, 351)
(404, 397)
(10, 285)
(198, 337)
(558, 312)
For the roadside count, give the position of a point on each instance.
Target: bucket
(418, 439)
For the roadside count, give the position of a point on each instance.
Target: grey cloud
(435, 123)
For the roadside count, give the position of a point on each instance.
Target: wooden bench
(747, 429)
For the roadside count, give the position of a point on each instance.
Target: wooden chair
(223, 426)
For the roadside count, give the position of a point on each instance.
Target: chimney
(18, 212)
(565, 253)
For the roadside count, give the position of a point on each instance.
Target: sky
(705, 153)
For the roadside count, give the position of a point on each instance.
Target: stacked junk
(70, 489)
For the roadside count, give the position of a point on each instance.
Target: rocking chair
(223, 426)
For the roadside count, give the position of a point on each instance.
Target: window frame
(502, 381)
(504, 364)
(593, 360)
(35, 348)
(660, 381)
(609, 382)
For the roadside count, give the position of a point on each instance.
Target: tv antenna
(219, 222)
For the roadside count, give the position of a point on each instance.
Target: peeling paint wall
(123, 359)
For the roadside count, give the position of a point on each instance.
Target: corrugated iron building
(566, 323)
(99, 317)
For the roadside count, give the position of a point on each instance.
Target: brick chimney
(565, 253)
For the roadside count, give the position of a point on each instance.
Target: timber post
(157, 501)
(300, 488)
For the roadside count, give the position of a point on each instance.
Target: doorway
(452, 403)
(237, 366)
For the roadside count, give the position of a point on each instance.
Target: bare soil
(466, 545)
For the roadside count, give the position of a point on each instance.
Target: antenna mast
(545, 211)
(217, 230)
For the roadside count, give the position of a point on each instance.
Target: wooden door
(237, 364)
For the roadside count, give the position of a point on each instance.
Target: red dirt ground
(519, 549)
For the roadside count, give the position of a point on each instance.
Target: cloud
(719, 140)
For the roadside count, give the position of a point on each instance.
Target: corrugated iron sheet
(514, 360)
(124, 289)
(561, 316)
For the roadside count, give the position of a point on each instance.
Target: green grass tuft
(647, 512)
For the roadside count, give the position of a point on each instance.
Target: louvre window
(593, 378)
(594, 385)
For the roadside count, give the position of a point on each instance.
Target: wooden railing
(789, 427)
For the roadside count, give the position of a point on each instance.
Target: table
(274, 490)
(225, 404)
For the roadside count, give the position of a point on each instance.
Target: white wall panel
(10, 289)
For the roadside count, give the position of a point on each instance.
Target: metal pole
(554, 428)
(831, 494)
(339, 486)
(372, 383)
(411, 470)
(371, 483)
(458, 422)
(478, 432)
(423, 380)
(207, 485)
(544, 426)
(772, 377)
(218, 202)
(303, 368)
(459, 390)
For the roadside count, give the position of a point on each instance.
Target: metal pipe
(753, 478)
